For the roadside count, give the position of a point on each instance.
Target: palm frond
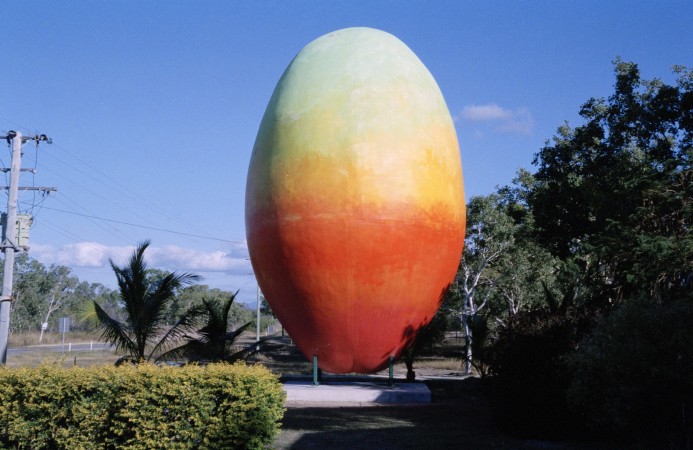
(212, 342)
(227, 308)
(231, 336)
(244, 353)
(114, 331)
(87, 315)
(126, 359)
(132, 284)
(190, 350)
(217, 317)
(184, 325)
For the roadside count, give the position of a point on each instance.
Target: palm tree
(214, 341)
(144, 332)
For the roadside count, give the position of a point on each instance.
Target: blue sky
(153, 106)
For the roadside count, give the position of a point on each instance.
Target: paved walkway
(354, 393)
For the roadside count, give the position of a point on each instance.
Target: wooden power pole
(10, 244)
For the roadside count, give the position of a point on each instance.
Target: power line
(74, 206)
(105, 180)
(93, 173)
(145, 226)
(123, 191)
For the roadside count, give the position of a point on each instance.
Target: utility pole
(257, 321)
(9, 241)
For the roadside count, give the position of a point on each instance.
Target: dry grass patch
(26, 339)
(37, 357)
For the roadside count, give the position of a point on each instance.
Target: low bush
(529, 375)
(219, 406)
(634, 376)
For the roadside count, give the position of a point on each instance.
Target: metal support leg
(390, 380)
(315, 371)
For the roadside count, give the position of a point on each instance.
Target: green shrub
(634, 376)
(529, 375)
(219, 406)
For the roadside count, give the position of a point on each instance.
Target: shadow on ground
(459, 417)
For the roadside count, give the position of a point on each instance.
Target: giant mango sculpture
(355, 209)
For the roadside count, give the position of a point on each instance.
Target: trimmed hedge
(218, 406)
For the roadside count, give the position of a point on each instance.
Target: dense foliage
(577, 280)
(616, 194)
(633, 375)
(140, 407)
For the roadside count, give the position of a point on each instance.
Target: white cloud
(485, 113)
(81, 254)
(521, 122)
(196, 260)
(511, 121)
(173, 258)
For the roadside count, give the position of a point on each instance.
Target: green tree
(84, 293)
(523, 273)
(612, 201)
(60, 288)
(265, 307)
(144, 333)
(489, 235)
(196, 294)
(616, 194)
(519, 277)
(503, 269)
(40, 292)
(29, 288)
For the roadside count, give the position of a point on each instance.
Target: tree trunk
(52, 307)
(411, 375)
(468, 345)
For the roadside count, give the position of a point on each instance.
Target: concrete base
(355, 393)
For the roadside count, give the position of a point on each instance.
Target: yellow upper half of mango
(356, 120)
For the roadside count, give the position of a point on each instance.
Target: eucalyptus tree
(503, 269)
(29, 287)
(490, 233)
(526, 273)
(61, 286)
(144, 333)
(40, 292)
